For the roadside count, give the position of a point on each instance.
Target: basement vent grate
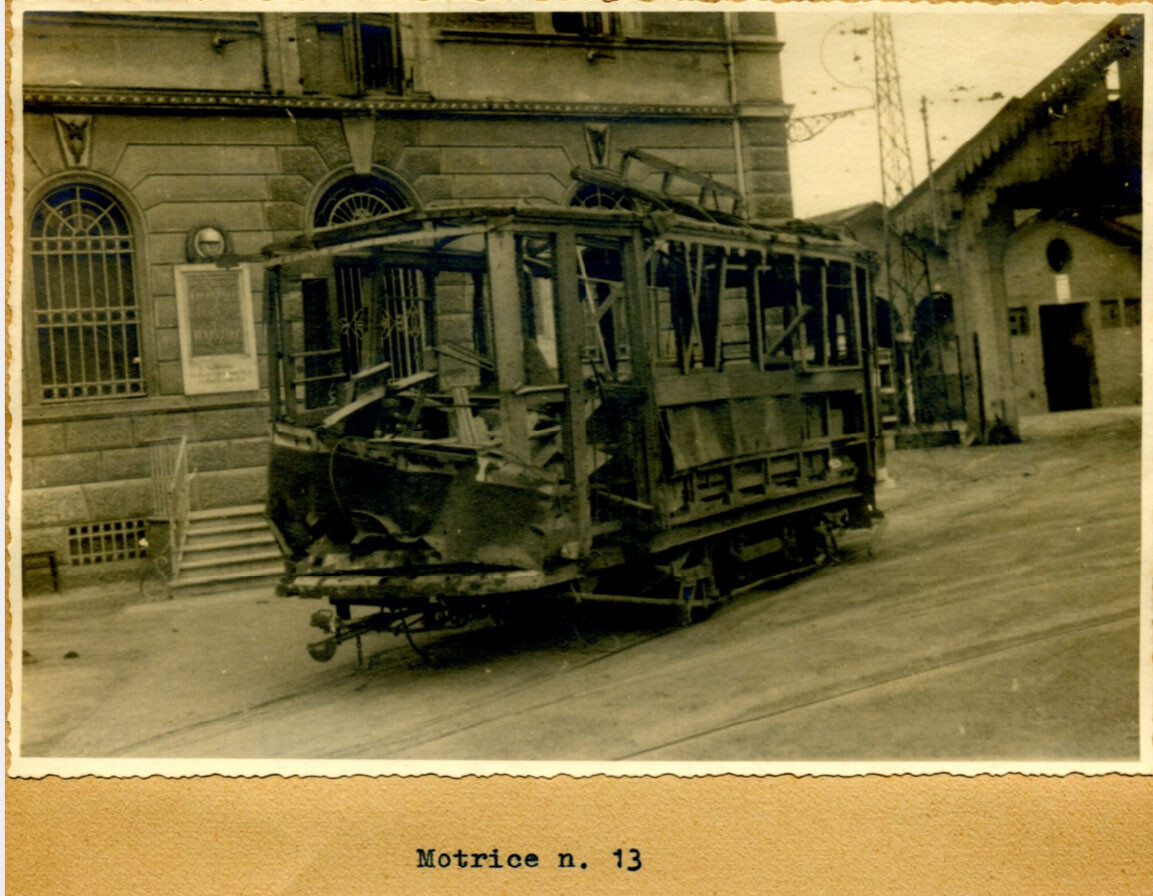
(105, 542)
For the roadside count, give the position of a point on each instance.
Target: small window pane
(1018, 321)
(1110, 313)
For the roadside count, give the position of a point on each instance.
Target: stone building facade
(163, 151)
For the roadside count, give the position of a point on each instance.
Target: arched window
(593, 196)
(84, 304)
(358, 198)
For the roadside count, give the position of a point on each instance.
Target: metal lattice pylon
(906, 270)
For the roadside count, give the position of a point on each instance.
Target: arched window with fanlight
(359, 197)
(596, 196)
(84, 303)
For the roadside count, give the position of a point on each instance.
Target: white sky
(938, 51)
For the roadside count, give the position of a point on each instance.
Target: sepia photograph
(576, 387)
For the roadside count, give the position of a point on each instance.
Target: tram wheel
(322, 651)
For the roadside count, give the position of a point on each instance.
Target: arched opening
(594, 196)
(360, 197)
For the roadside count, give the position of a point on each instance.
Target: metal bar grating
(85, 314)
(108, 542)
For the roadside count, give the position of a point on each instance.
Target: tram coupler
(342, 630)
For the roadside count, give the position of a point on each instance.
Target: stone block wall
(86, 471)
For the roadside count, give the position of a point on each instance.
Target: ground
(997, 621)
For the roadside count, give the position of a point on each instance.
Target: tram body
(478, 410)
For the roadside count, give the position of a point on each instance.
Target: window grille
(403, 307)
(380, 317)
(85, 310)
(358, 198)
(105, 542)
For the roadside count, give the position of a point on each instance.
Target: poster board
(217, 334)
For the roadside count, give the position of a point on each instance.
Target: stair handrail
(172, 493)
(180, 499)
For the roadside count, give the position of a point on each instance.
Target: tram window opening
(841, 326)
(463, 330)
(669, 284)
(538, 308)
(778, 313)
(323, 370)
(812, 296)
(708, 294)
(736, 301)
(605, 353)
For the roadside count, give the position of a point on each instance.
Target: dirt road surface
(998, 621)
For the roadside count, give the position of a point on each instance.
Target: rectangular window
(346, 55)
(379, 54)
(1132, 312)
(586, 24)
(1018, 321)
(1110, 313)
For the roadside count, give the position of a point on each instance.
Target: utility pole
(929, 164)
(906, 271)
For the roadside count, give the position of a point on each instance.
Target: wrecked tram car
(477, 409)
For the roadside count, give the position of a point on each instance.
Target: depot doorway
(1067, 349)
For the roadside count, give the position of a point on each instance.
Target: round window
(1059, 254)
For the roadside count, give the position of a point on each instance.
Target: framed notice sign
(217, 335)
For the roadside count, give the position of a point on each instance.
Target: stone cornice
(175, 100)
(743, 43)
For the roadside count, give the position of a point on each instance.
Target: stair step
(226, 556)
(220, 527)
(203, 541)
(267, 568)
(220, 512)
(233, 560)
(269, 575)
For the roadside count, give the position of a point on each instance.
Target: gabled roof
(1123, 36)
(847, 215)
